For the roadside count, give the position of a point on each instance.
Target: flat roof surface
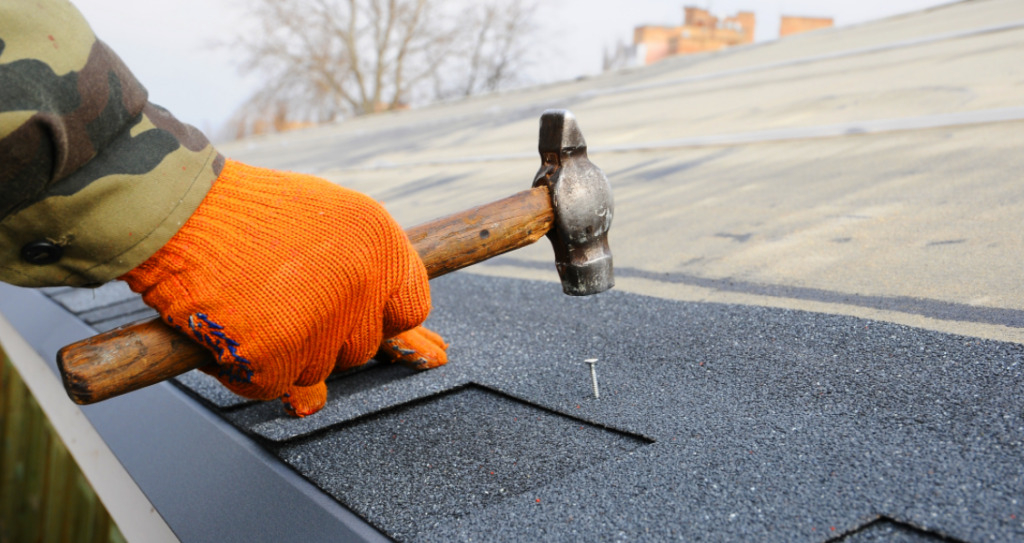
(816, 332)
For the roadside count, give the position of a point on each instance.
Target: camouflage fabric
(87, 164)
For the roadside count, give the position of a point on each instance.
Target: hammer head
(582, 199)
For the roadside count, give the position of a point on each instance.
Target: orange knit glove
(286, 277)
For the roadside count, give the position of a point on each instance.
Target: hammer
(571, 202)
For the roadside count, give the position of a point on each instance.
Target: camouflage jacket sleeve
(94, 179)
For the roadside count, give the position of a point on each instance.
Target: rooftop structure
(700, 32)
(795, 25)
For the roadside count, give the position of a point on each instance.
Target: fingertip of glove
(297, 410)
(424, 363)
(414, 350)
(304, 401)
(432, 337)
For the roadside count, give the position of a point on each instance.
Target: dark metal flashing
(208, 481)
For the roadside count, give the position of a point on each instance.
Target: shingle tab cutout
(889, 531)
(451, 455)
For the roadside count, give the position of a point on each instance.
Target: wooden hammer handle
(144, 353)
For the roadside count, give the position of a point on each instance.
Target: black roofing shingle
(434, 461)
(767, 424)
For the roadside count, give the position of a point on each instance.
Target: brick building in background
(700, 32)
(796, 25)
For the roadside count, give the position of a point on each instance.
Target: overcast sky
(166, 43)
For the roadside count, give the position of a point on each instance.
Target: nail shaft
(593, 376)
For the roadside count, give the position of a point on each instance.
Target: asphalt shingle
(765, 424)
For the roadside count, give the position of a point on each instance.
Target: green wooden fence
(43, 495)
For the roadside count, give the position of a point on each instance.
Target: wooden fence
(43, 495)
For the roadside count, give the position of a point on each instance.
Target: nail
(593, 376)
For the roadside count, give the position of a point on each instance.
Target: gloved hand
(286, 277)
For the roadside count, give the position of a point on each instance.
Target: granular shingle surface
(763, 424)
(767, 424)
(439, 460)
(211, 390)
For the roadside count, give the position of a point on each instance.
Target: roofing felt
(836, 161)
(716, 422)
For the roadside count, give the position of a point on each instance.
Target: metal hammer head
(582, 199)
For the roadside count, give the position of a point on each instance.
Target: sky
(168, 44)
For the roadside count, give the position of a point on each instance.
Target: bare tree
(621, 56)
(494, 48)
(327, 59)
